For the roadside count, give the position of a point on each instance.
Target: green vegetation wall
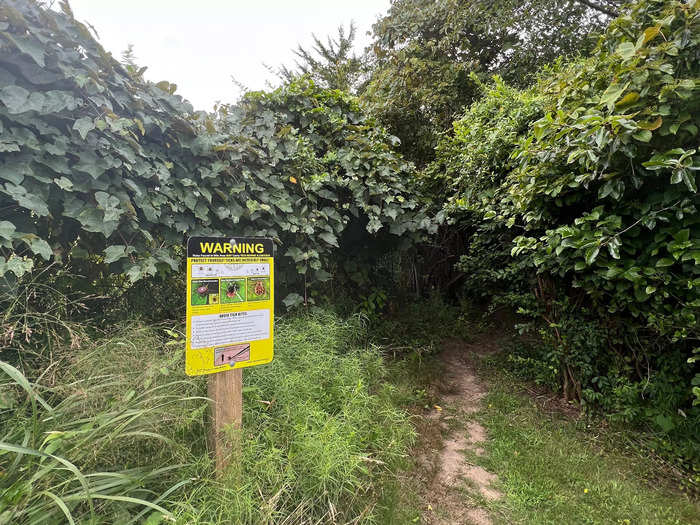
(100, 166)
(608, 176)
(584, 190)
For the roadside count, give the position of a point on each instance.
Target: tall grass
(118, 433)
(89, 447)
(34, 314)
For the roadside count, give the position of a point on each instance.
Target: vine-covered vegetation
(583, 189)
(98, 162)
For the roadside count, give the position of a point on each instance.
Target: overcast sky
(200, 44)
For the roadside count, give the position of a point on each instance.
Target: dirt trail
(455, 486)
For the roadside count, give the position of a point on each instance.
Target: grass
(115, 417)
(326, 437)
(552, 471)
(87, 441)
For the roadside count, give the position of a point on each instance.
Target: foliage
(38, 316)
(416, 326)
(425, 52)
(102, 166)
(332, 65)
(76, 163)
(613, 367)
(491, 276)
(74, 452)
(476, 156)
(588, 181)
(624, 128)
(470, 164)
(322, 434)
(321, 176)
(372, 305)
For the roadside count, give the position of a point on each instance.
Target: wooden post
(226, 392)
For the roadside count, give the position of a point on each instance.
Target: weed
(121, 434)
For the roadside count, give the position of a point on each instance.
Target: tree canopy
(425, 52)
(331, 65)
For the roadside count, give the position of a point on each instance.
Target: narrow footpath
(456, 488)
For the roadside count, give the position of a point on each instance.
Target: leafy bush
(588, 180)
(614, 368)
(322, 175)
(470, 165)
(475, 157)
(321, 437)
(624, 129)
(101, 166)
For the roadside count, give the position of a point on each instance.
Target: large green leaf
(14, 98)
(83, 126)
(114, 253)
(329, 238)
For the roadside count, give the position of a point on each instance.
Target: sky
(200, 44)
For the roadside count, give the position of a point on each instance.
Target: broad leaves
(14, 98)
(605, 183)
(114, 169)
(83, 125)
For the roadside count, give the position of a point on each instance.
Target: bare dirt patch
(450, 477)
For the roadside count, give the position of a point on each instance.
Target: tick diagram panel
(230, 298)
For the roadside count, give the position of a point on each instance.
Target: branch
(600, 8)
(654, 213)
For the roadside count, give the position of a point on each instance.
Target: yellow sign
(230, 303)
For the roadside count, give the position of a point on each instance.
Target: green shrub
(475, 157)
(588, 180)
(470, 165)
(614, 369)
(606, 181)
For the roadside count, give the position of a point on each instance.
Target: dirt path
(455, 487)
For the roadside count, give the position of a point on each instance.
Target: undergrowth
(111, 431)
(614, 400)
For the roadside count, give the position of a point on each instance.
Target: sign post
(226, 392)
(230, 323)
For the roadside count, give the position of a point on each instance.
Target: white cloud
(200, 44)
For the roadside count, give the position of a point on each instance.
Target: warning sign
(230, 303)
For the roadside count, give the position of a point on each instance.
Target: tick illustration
(259, 288)
(232, 291)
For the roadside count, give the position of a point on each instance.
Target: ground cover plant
(555, 470)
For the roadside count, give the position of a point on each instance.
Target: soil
(454, 486)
